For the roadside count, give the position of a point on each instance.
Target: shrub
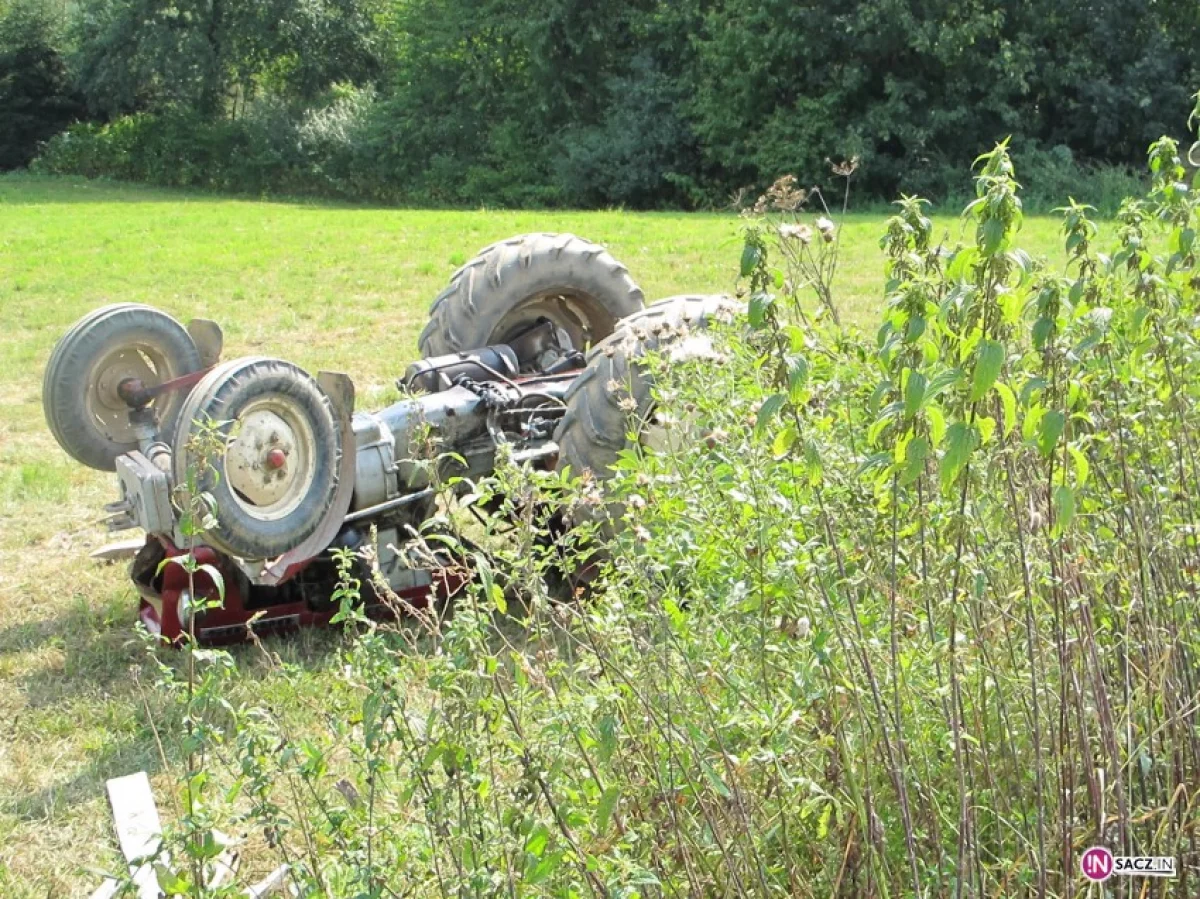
(37, 98)
(640, 154)
(1050, 175)
(272, 149)
(910, 615)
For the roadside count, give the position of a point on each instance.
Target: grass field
(326, 286)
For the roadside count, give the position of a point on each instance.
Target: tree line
(643, 103)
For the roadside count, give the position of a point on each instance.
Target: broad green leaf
(1082, 468)
(874, 463)
(987, 426)
(937, 424)
(1033, 420)
(960, 442)
(881, 390)
(914, 460)
(930, 352)
(756, 313)
(536, 844)
(544, 867)
(812, 462)
(993, 235)
(604, 808)
(170, 882)
(968, 344)
(915, 328)
(1050, 430)
(987, 368)
(1041, 332)
(959, 267)
(796, 338)
(877, 426)
(768, 410)
(1009, 401)
(750, 257)
(1064, 508)
(942, 382)
(784, 441)
(914, 393)
(797, 377)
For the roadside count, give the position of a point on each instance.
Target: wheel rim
(103, 401)
(579, 314)
(271, 463)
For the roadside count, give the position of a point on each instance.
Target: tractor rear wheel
(610, 408)
(613, 395)
(511, 285)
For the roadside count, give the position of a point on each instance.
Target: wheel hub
(104, 402)
(269, 463)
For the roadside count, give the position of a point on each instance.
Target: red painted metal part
(165, 604)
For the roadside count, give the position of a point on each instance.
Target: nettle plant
(911, 615)
(983, 525)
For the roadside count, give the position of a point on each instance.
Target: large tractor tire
(613, 396)
(512, 284)
(80, 397)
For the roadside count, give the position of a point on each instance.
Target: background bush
(38, 99)
(637, 102)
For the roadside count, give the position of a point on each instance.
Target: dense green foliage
(37, 98)
(638, 102)
(912, 615)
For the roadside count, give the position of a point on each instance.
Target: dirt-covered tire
(79, 389)
(573, 282)
(615, 388)
(274, 474)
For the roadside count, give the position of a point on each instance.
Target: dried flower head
(827, 229)
(785, 196)
(802, 233)
(845, 168)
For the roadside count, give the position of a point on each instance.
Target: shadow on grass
(98, 672)
(89, 670)
(26, 189)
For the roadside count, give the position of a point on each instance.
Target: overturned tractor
(522, 348)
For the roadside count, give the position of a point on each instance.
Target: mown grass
(324, 285)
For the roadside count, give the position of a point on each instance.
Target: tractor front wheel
(261, 438)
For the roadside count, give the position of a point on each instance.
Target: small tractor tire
(80, 396)
(273, 466)
(512, 284)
